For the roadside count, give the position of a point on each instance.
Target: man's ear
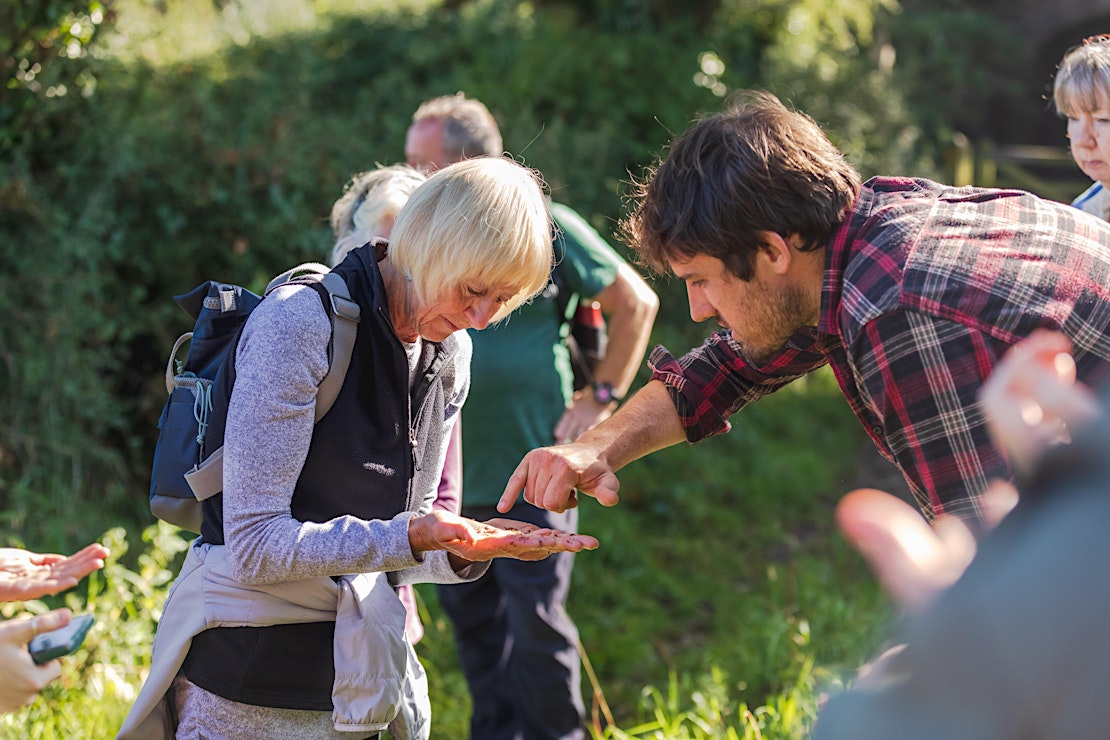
(776, 254)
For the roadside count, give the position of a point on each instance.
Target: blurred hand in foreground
(21, 680)
(912, 560)
(1032, 399)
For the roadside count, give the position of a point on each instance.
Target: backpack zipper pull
(202, 407)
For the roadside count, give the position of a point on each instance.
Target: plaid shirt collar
(838, 252)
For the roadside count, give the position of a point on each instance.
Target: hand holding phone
(22, 679)
(62, 641)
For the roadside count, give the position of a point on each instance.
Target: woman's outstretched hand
(30, 575)
(497, 538)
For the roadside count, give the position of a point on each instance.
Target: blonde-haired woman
(307, 503)
(366, 211)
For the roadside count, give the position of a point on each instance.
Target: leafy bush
(46, 70)
(959, 64)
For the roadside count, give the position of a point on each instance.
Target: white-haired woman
(369, 206)
(307, 503)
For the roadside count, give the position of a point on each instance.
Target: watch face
(603, 392)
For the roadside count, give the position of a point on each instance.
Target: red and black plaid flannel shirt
(926, 286)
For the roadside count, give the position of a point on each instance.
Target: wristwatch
(605, 395)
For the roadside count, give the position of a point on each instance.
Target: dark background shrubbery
(127, 180)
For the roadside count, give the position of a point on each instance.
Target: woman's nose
(482, 311)
(1083, 133)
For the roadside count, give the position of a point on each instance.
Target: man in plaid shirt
(910, 290)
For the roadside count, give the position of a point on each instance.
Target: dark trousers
(516, 643)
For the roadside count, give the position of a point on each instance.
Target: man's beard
(781, 314)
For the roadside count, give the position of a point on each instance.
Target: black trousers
(516, 642)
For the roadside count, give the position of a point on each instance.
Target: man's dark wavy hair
(755, 166)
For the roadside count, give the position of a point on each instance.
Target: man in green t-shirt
(516, 643)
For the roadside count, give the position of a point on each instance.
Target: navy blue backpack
(185, 471)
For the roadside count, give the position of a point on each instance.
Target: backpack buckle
(345, 308)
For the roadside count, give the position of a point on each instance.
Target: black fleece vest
(370, 457)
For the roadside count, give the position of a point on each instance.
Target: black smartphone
(62, 641)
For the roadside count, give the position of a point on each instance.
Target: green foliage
(708, 711)
(956, 65)
(832, 61)
(57, 434)
(44, 66)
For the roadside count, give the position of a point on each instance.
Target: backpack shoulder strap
(206, 479)
(343, 333)
(311, 270)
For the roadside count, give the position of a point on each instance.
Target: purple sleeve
(449, 495)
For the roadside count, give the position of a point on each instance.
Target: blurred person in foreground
(910, 290)
(1016, 647)
(366, 210)
(1081, 95)
(27, 575)
(516, 641)
(283, 622)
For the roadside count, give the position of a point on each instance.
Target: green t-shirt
(520, 380)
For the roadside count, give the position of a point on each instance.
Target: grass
(721, 603)
(721, 596)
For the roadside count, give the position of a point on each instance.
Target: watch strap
(604, 393)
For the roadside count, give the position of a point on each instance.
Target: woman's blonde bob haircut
(478, 224)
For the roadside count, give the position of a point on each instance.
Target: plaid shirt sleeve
(714, 381)
(921, 376)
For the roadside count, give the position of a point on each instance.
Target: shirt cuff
(698, 417)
